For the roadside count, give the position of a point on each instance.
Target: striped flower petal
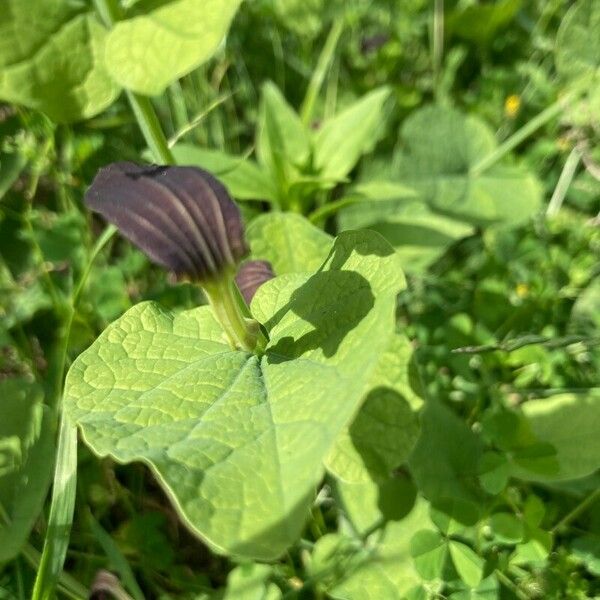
(251, 276)
(181, 217)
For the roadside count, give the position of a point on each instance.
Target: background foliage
(466, 134)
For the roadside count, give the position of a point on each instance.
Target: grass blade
(61, 513)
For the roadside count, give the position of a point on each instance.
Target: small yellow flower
(522, 290)
(512, 105)
(563, 143)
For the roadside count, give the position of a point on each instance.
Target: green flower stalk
(184, 220)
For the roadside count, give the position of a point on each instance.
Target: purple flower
(181, 217)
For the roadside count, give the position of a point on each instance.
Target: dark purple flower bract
(181, 217)
(251, 276)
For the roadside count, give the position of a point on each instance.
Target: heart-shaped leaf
(165, 41)
(52, 59)
(288, 241)
(441, 148)
(236, 440)
(386, 427)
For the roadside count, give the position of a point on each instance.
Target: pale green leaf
(386, 427)
(52, 58)
(251, 582)
(371, 503)
(343, 139)
(237, 440)
(282, 140)
(468, 565)
(419, 235)
(387, 570)
(244, 179)
(441, 146)
(288, 241)
(569, 423)
(429, 551)
(26, 459)
(165, 41)
(534, 550)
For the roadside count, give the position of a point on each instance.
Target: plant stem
(580, 508)
(437, 43)
(110, 13)
(521, 134)
(225, 302)
(61, 513)
(323, 64)
(564, 181)
(510, 585)
(150, 126)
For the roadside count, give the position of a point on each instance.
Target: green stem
(437, 50)
(150, 126)
(580, 508)
(564, 181)
(507, 582)
(110, 13)
(516, 138)
(241, 332)
(323, 64)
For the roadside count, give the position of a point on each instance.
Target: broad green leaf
(370, 503)
(386, 427)
(288, 241)
(387, 571)
(52, 58)
(445, 459)
(569, 423)
(506, 527)
(440, 148)
(429, 551)
(166, 40)
(418, 235)
(251, 582)
(244, 179)
(166, 389)
(578, 41)
(343, 139)
(382, 190)
(468, 565)
(26, 459)
(480, 22)
(282, 140)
